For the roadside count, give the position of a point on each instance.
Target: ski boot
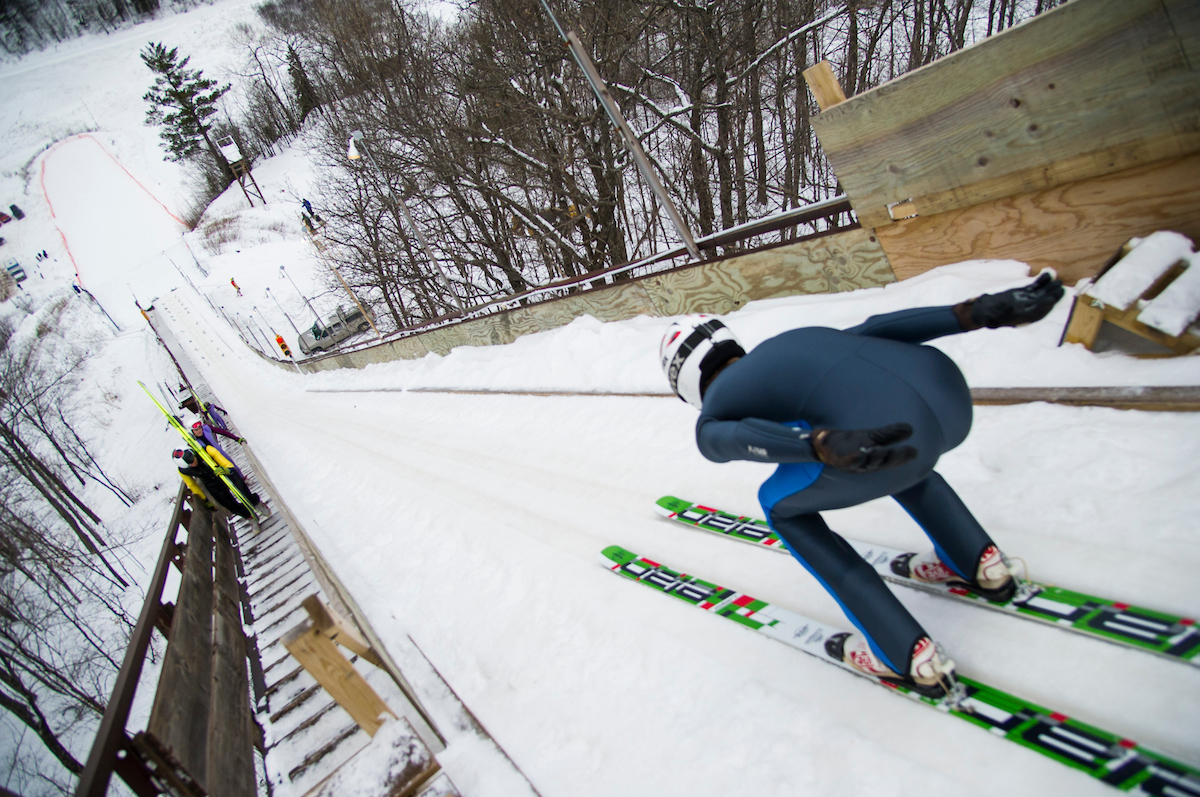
(929, 673)
(995, 579)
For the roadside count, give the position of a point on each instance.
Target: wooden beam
(824, 85)
(231, 727)
(1083, 325)
(322, 659)
(1152, 399)
(1127, 319)
(111, 741)
(338, 629)
(184, 694)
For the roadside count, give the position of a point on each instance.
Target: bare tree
(514, 173)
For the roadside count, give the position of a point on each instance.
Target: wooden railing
(201, 735)
(669, 261)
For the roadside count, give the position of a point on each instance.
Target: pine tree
(306, 95)
(181, 100)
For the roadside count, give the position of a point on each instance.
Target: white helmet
(691, 351)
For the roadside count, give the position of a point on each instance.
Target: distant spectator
(235, 286)
(17, 212)
(307, 205)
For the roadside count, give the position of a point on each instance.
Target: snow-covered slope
(473, 524)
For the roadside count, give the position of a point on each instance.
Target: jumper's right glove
(863, 450)
(1013, 307)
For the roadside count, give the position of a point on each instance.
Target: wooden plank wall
(179, 714)
(1074, 228)
(201, 712)
(1052, 142)
(838, 262)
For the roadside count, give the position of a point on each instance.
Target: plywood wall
(1073, 228)
(1091, 88)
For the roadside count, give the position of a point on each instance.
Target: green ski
(1166, 635)
(1105, 756)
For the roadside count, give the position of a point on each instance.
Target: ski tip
(669, 505)
(614, 557)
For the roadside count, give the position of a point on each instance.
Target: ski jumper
(869, 376)
(214, 487)
(210, 437)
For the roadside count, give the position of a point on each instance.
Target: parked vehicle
(338, 327)
(15, 269)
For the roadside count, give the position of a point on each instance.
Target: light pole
(252, 335)
(302, 296)
(356, 137)
(234, 324)
(280, 306)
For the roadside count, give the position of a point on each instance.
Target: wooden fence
(201, 735)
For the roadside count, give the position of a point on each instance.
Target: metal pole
(266, 337)
(270, 329)
(97, 302)
(627, 135)
(357, 137)
(252, 335)
(242, 332)
(361, 309)
(233, 324)
(194, 260)
(280, 306)
(302, 296)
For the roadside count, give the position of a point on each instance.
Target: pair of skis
(1108, 757)
(1166, 635)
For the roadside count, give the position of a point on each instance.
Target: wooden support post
(1084, 324)
(166, 611)
(179, 555)
(324, 662)
(336, 628)
(824, 85)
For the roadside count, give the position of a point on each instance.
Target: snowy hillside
(473, 523)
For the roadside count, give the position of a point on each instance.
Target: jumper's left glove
(864, 450)
(1013, 307)
(242, 440)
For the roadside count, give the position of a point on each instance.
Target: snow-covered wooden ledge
(1151, 288)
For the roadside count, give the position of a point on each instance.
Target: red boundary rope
(42, 181)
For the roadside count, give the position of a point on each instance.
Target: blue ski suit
(871, 375)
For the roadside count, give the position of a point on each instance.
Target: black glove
(863, 450)
(1013, 307)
